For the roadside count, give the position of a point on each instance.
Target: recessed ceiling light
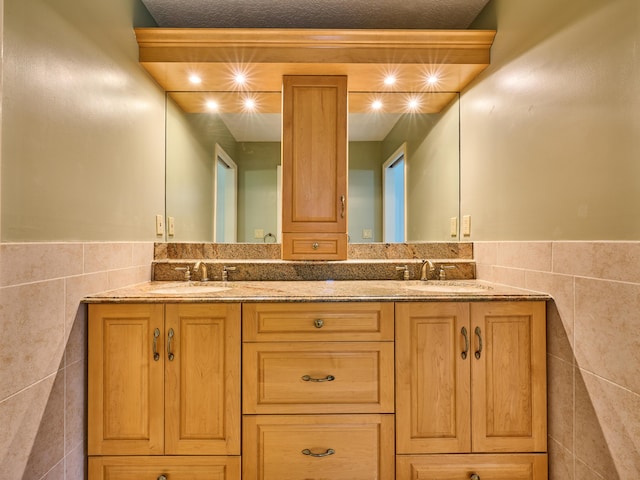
(390, 80)
(249, 104)
(376, 105)
(195, 79)
(212, 105)
(413, 104)
(433, 79)
(240, 78)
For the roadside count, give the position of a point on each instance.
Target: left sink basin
(188, 289)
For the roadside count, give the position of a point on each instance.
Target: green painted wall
(82, 124)
(550, 147)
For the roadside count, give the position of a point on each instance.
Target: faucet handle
(187, 272)
(225, 272)
(442, 275)
(405, 271)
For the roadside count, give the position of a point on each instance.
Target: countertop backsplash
(367, 261)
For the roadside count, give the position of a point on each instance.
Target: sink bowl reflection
(188, 289)
(448, 287)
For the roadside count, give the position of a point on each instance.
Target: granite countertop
(314, 291)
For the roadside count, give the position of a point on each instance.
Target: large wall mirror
(223, 166)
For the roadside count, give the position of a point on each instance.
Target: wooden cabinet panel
(173, 468)
(323, 377)
(462, 467)
(125, 380)
(503, 410)
(347, 447)
(202, 384)
(314, 166)
(432, 378)
(356, 321)
(164, 382)
(509, 379)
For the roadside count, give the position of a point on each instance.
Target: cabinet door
(172, 468)
(463, 467)
(314, 167)
(125, 380)
(432, 377)
(509, 377)
(203, 379)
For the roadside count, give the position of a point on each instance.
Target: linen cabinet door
(472, 467)
(203, 379)
(432, 378)
(314, 167)
(508, 372)
(164, 468)
(125, 380)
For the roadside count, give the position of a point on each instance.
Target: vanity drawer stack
(318, 391)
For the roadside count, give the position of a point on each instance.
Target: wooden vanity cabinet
(163, 380)
(470, 378)
(314, 167)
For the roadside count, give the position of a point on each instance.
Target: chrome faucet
(225, 272)
(427, 270)
(202, 267)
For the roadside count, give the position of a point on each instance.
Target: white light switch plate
(171, 226)
(159, 225)
(454, 226)
(466, 225)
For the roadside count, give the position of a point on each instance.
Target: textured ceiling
(378, 14)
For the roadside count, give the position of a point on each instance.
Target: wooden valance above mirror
(419, 60)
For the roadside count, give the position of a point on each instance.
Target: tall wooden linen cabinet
(314, 167)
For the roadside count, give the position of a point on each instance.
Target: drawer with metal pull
(339, 447)
(318, 377)
(349, 321)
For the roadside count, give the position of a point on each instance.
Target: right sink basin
(442, 286)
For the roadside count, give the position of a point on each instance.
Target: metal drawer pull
(170, 355)
(328, 378)
(329, 451)
(162, 477)
(318, 323)
(474, 476)
(315, 245)
(156, 334)
(479, 351)
(342, 202)
(465, 352)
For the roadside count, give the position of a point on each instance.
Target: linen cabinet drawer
(352, 321)
(303, 377)
(336, 447)
(310, 246)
